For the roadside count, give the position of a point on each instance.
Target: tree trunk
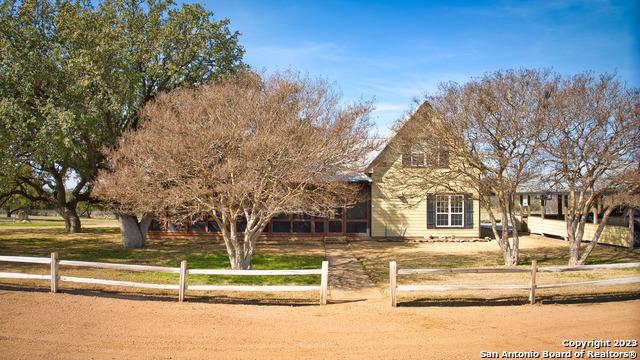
(510, 259)
(71, 221)
(503, 241)
(509, 251)
(574, 254)
(240, 253)
(515, 248)
(596, 237)
(246, 263)
(239, 259)
(574, 245)
(134, 232)
(575, 232)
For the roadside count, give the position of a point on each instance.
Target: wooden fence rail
(532, 286)
(182, 286)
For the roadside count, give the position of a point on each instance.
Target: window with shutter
(449, 211)
(426, 154)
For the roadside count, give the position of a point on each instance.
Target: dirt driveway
(37, 324)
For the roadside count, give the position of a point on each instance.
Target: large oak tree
(74, 75)
(245, 149)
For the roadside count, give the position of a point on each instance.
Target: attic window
(426, 154)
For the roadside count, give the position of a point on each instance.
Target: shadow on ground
(604, 298)
(216, 299)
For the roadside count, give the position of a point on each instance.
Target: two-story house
(398, 205)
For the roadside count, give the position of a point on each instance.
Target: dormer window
(426, 154)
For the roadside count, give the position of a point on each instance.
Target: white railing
(532, 286)
(182, 286)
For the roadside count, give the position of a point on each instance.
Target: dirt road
(105, 326)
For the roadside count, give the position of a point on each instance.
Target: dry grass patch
(375, 256)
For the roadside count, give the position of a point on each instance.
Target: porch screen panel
(358, 211)
(173, 226)
(157, 225)
(213, 226)
(335, 226)
(281, 226)
(357, 227)
(302, 227)
(198, 226)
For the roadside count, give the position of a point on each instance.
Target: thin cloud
(274, 55)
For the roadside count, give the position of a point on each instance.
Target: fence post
(183, 280)
(534, 271)
(324, 281)
(54, 272)
(392, 283)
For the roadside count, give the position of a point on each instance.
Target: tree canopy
(74, 75)
(592, 149)
(489, 128)
(245, 149)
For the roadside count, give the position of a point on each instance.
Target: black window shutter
(406, 155)
(431, 212)
(469, 212)
(406, 160)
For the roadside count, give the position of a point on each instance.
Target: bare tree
(593, 150)
(245, 149)
(481, 137)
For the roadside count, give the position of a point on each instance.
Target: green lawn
(101, 242)
(104, 245)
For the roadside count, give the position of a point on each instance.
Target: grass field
(101, 242)
(104, 244)
(55, 221)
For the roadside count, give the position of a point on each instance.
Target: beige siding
(392, 216)
(613, 235)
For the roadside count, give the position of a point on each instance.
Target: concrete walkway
(348, 280)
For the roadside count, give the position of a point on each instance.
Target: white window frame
(449, 211)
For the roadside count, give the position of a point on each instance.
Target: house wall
(612, 235)
(393, 215)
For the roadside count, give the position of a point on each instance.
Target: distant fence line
(182, 286)
(532, 286)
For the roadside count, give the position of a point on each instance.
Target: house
(550, 200)
(395, 205)
(402, 206)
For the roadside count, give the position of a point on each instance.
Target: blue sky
(394, 51)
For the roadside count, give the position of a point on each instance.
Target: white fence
(182, 286)
(532, 286)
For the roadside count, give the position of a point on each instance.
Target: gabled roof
(375, 157)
